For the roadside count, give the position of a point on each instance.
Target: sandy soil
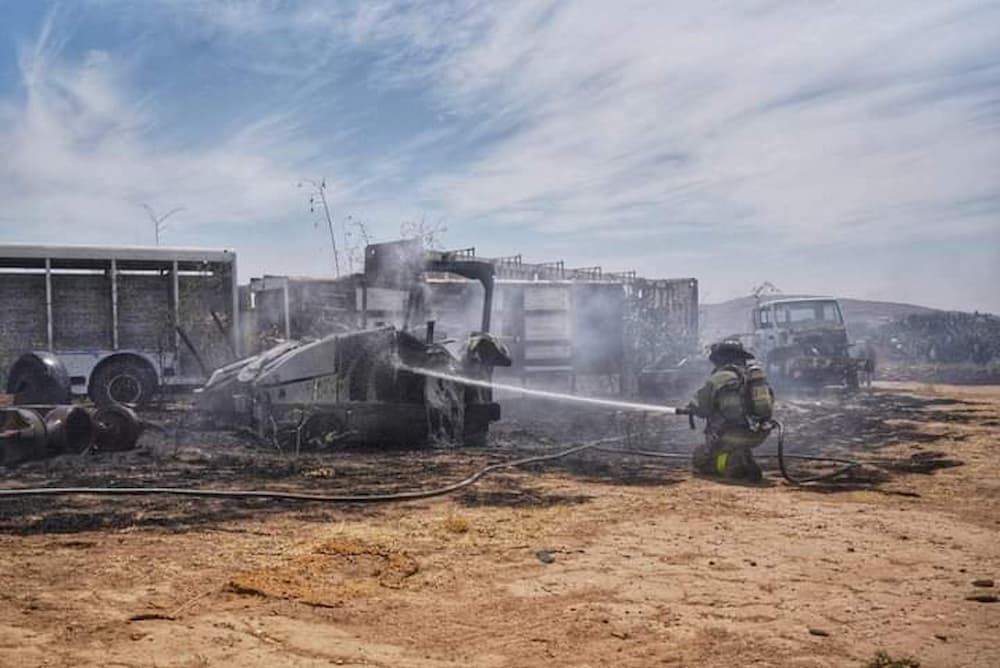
(595, 561)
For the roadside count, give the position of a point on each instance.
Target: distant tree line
(948, 337)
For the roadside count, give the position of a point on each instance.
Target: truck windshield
(814, 311)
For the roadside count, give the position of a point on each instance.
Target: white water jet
(543, 394)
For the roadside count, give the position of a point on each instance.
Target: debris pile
(40, 431)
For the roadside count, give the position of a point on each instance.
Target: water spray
(846, 465)
(542, 394)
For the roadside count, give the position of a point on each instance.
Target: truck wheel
(122, 381)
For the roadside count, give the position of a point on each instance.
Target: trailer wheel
(126, 381)
(38, 378)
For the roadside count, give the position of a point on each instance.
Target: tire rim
(125, 389)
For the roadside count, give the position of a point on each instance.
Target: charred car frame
(358, 387)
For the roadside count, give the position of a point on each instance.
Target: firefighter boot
(738, 464)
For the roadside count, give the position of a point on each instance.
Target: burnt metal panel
(598, 328)
(547, 297)
(661, 322)
(456, 306)
(509, 321)
(198, 297)
(144, 312)
(81, 311)
(395, 264)
(316, 306)
(548, 327)
(22, 322)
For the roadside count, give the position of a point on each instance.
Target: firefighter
(736, 402)
(868, 366)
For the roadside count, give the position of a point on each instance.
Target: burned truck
(803, 342)
(371, 386)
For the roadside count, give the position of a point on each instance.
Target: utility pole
(319, 192)
(159, 221)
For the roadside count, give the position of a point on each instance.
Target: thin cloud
(655, 133)
(81, 153)
(801, 123)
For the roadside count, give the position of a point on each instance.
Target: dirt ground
(595, 560)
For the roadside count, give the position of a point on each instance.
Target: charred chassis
(350, 387)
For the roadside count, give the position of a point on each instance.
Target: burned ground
(175, 455)
(596, 559)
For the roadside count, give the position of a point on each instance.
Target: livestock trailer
(125, 321)
(565, 329)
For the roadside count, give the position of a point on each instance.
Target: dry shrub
(457, 524)
(883, 660)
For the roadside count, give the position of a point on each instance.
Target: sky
(848, 148)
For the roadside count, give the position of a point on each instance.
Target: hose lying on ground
(781, 457)
(299, 496)
(769, 426)
(847, 465)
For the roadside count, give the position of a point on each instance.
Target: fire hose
(846, 464)
(417, 494)
(299, 496)
(774, 425)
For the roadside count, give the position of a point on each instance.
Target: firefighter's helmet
(728, 350)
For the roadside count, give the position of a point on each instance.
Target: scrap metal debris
(41, 431)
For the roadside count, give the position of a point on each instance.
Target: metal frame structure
(544, 336)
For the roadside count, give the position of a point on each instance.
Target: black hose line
(22, 492)
(847, 464)
(298, 496)
(682, 455)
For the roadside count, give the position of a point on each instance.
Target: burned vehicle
(803, 341)
(365, 386)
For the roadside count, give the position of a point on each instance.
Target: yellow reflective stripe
(721, 460)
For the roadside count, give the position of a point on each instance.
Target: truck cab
(803, 341)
